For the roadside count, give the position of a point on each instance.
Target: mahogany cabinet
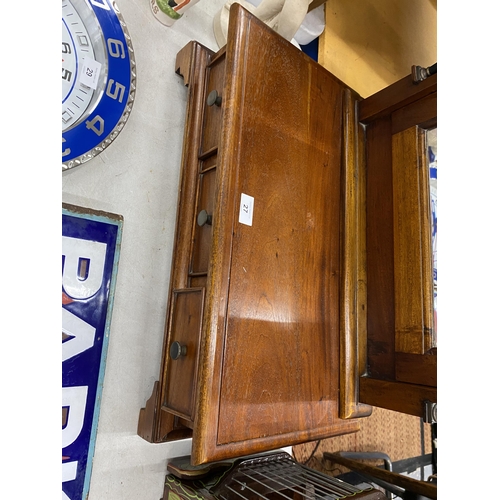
(266, 336)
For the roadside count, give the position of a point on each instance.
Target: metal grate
(277, 477)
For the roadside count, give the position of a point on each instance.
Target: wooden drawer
(184, 341)
(213, 111)
(202, 225)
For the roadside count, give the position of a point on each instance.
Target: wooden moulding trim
(413, 284)
(395, 96)
(353, 291)
(183, 62)
(259, 445)
(422, 113)
(211, 347)
(186, 58)
(426, 239)
(396, 396)
(362, 281)
(147, 416)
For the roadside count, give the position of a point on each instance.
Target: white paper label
(246, 209)
(89, 75)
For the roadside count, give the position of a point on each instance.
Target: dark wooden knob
(177, 350)
(204, 218)
(214, 98)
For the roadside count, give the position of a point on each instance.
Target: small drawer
(202, 239)
(213, 106)
(182, 351)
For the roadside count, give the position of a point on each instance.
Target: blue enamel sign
(90, 252)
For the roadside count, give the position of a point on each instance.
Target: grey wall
(137, 177)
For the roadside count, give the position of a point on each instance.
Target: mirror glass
(432, 158)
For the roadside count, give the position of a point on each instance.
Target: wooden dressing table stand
(266, 330)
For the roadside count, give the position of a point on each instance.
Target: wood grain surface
(270, 355)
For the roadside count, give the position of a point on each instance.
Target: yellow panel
(370, 44)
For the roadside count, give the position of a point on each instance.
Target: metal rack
(274, 476)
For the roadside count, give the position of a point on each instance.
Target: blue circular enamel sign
(98, 78)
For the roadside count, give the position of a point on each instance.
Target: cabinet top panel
(270, 373)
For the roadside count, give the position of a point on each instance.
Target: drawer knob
(177, 350)
(214, 98)
(204, 218)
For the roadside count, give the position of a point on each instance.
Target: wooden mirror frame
(392, 351)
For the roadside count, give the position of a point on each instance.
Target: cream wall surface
(374, 43)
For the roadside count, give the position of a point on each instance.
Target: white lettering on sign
(82, 278)
(68, 474)
(75, 400)
(82, 334)
(69, 471)
(246, 209)
(83, 267)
